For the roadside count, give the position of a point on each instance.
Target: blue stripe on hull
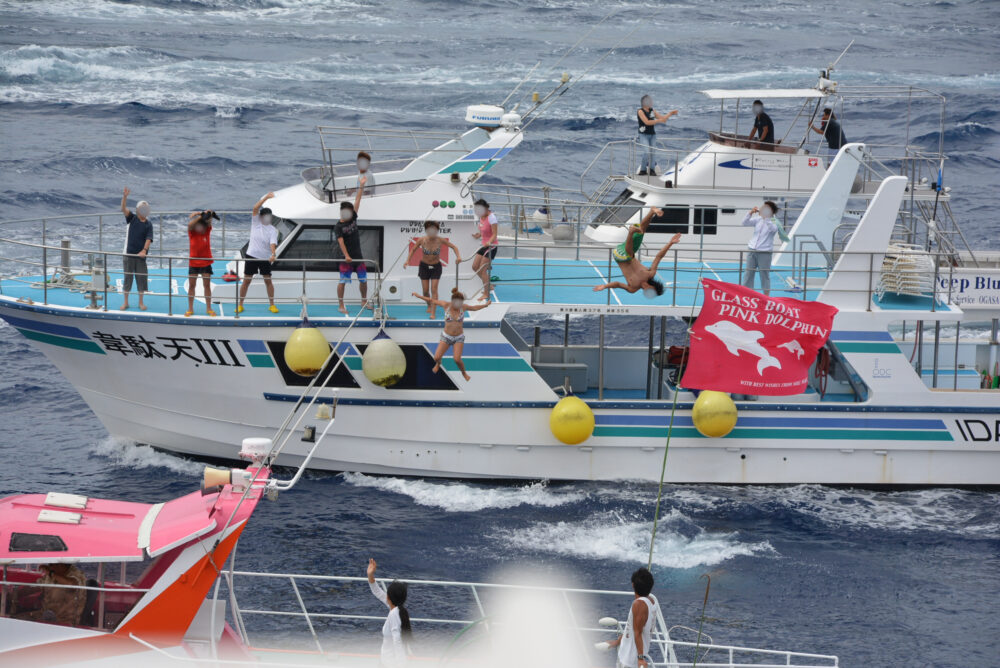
(48, 328)
(803, 422)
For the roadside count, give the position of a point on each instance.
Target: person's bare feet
(467, 376)
(123, 307)
(598, 288)
(142, 307)
(342, 309)
(436, 367)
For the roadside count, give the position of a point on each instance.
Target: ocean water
(196, 103)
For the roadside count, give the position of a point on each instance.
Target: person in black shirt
(830, 128)
(763, 128)
(349, 238)
(648, 119)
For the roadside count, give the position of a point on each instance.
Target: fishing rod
(701, 623)
(568, 52)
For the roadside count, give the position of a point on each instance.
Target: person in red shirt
(199, 234)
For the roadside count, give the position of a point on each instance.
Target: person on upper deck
(138, 238)
(637, 276)
(59, 605)
(200, 262)
(830, 128)
(396, 631)
(765, 226)
(349, 238)
(635, 644)
(430, 268)
(260, 252)
(648, 119)
(763, 128)
(487, 235)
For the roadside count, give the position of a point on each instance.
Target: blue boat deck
(564, 282)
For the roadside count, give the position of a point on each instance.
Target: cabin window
(317, 245)
(418, 375)
(705, 220)
(673, 220)
(620, 210)
(36, 542)
(341, 377)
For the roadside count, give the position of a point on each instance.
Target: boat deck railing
(529, 272)
(467, 613)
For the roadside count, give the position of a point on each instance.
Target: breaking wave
(128, 454)
(609, 535)
(456, 497)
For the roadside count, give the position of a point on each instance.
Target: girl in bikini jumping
(430, 267)
(454, 332)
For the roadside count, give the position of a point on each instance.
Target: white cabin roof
(762, 93)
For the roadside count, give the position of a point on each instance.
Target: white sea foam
(611, 536)
(128, 454)
(456, 497)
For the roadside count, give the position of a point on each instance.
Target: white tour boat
(895, 398)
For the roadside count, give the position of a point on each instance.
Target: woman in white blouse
(396, 631)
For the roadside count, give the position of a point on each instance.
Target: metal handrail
(661, 635)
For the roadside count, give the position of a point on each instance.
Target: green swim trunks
(621, 255)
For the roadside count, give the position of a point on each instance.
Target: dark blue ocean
(197, 103)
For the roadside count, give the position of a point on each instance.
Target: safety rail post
(649, 358)
(871, 270)
(674, 286)
(223, 221)
(600, 360)
(609, 277)
(45, 268)
(104, 279)
(236, 303)
(544, 260)
(100, 596)
(100, 232)
(161, 241)
(170, 286)
(937, 260)
(3, 590)
(739, 276)
(659, 363)
(937, 346)
(958, 332)
(305, 612)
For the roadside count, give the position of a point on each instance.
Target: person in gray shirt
(138, 238)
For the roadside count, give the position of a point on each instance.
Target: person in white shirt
(260, 252)
(396, 631)
(765, 226)
(634, 644)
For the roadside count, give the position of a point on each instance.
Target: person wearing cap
(763, 128)
(349, 239)
(260, 252)
(200, 257)
(830, 128)
(138, 238)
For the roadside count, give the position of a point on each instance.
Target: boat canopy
(763, 93)
(56, 527)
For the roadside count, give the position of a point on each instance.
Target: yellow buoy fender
(306, 350)
(383, 362)
(714, 414)
(571, 420)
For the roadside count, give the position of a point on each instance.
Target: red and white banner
(748, 343)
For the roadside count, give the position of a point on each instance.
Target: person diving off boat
(637, 275)
(454, 330)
